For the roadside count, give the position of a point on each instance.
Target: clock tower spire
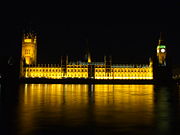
(161, 50)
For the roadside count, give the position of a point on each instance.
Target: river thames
(50, 109)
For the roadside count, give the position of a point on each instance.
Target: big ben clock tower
(161, 51)
(162, 64)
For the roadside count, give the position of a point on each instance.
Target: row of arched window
(125, 75)
(77, 75)
(44, 75)
(86, 70)
(42, 70)
(132, 70)
(124, 70)
(132, 75)
(77, 70)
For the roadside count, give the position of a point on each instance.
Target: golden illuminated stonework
(29, 48)
(83, 70)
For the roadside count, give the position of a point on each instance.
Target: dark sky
(130, 39)
(127, 43)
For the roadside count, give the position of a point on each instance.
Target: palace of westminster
(88, 69)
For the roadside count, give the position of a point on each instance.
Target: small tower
(29, 48)
(161, 51)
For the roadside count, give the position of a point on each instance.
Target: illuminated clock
(157, 51)
(163, 50)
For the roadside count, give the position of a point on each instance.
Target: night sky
(127, 41)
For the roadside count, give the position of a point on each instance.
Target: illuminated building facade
(83, 70)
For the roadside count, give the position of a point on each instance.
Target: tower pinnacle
(161, 38)
(88, 54)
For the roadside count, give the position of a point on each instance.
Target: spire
(89, 57)
(161, 38)
(87, 52)
(29, 31)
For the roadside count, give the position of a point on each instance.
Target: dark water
(50, 109)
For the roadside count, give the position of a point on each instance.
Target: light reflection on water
(95, 109)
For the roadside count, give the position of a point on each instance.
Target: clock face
(163, 50)
(157, 51)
